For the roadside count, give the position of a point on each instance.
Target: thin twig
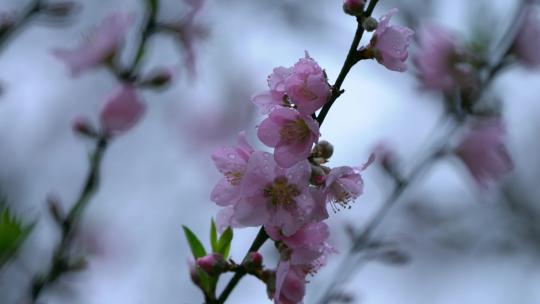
(32, 9)
(260, 239)
(61, 263)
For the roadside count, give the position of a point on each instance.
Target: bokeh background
(466, 245)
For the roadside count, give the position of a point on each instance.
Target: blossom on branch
(391, 43)
(290, 133)
(121, 111)
(101, 45)
(272, 195)
(483, 152)
(303, 86)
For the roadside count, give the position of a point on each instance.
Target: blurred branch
(61, 262)
(8, 30)
(147, 30)
(352, 261)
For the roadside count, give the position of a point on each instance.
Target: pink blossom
(102, 44)
(307, 87)
(225, 218)
(290, 284)
(484, 153)
(290, 133)
(392, 42)
(527, 44)
(304, 86)
(272, 195)
(121, 111)
(307, 247)
(435, 58)
(231, 162)
(345, 184)
(277, 95)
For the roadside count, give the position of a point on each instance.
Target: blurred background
(465, 244)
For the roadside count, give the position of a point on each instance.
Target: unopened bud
(370, 24)
(354, 7)
(61, 9)
(318, 175)
(212, 264)
(81, 125)
(253, 261)
(323, 149)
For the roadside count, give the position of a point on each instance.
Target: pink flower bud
(212, 263)
(254, 260)
(121, 111)
(353, 7)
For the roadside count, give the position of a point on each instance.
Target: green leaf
(213, 236)
(224, 244)
(12, 233)
(196, 247)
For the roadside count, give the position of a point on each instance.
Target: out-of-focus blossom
(290, 133)
(101, 45)
(232, 163)
(290, 284)
(391, 42)
(304, 86)
(484, 153)
(188, 31)
(353, 7)
(435, 60)
(527, 44)
(121, 111)
(272, 195)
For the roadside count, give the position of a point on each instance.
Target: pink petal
(121, 111)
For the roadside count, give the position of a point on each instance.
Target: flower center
(280, 192)
(234, 178)
(294, 130)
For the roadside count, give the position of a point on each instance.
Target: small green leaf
(12, 233)
(213, 236)
(196, 247)
(224, 243)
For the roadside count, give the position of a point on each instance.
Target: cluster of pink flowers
(287, 192)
